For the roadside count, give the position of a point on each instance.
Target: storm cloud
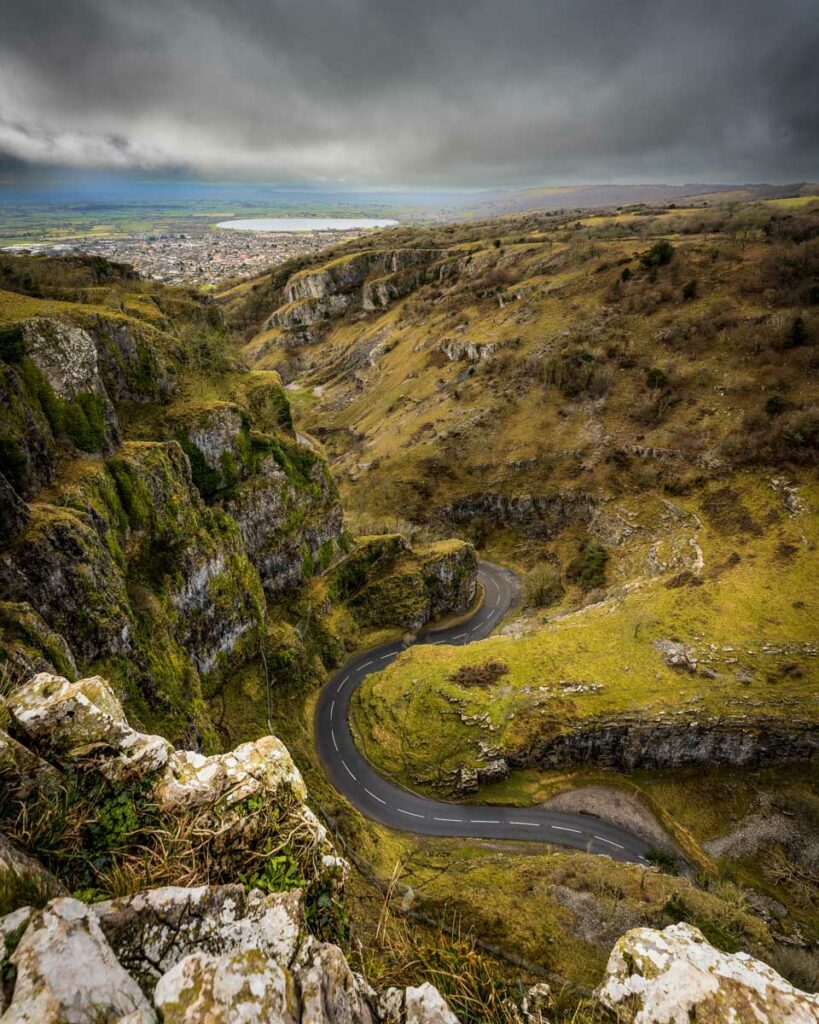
(450, 92)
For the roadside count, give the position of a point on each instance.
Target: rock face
(362, 281)
(67, 972)
(288, 530)
(656, 744)
(388, 584)
(154, 931)
(675, 976)
(74, 563)
(57, 388)
(153, 555)
(538, 516)
(82, 724)
(190, 956)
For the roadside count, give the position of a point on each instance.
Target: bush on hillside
(542, 586)
(658, 255)
(577, 374)
(588, 568)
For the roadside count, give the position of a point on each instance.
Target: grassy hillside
(622, 406)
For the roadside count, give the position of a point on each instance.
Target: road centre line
(333, 734)
(530, 824)
(562, 828)
(348, 770)
(412, 814)
(369, 792)
(609, 841)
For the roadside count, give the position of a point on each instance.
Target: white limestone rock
(426, 1005)
(675, 976)
(68, 974)
(262, 768)
(154, 931)
(239, 988)
(85, 719)
(330, 992)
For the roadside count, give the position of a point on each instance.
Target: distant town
(202, 258)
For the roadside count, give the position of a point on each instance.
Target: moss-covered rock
(131, 568)
(387, 583)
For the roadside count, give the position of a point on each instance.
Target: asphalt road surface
(354, 776)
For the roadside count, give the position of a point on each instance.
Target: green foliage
(658, 255)
(206, 480)
(542, 586)
(656, 379)
(84, 421)
(13, 462)
(775, 405)
(325, 555)
(279, 873)
(589, 567)
(326, 915)
(662, 859)
(12, 343)
(116, 822)
(132, 493)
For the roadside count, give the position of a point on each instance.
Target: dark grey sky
(453, 92)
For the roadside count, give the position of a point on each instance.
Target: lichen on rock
(676, 976)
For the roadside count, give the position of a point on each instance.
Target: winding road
(356, 779)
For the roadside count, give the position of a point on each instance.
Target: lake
(305, 224)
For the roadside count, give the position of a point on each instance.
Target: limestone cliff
(152, 493)
(362, 281)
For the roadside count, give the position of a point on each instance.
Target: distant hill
(567, 197)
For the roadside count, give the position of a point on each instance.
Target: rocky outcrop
(74, 561)
(65, 971)
(674, 976)
(290, 518)
(83, 724)
(362, 281)
(464, 350)
(58, 384)
(638, 743)
(539, 516)
(386, 583)
(191, 956)
(29, 645)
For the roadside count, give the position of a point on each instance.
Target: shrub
(662, 859)
(798, 334)
(542, 586)
(577, 374)
(658, 255)
(775, 405)
(656, 379)
(12, 343)
(626, 274)
(689, 291)
(483, 675)
(589, 567)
